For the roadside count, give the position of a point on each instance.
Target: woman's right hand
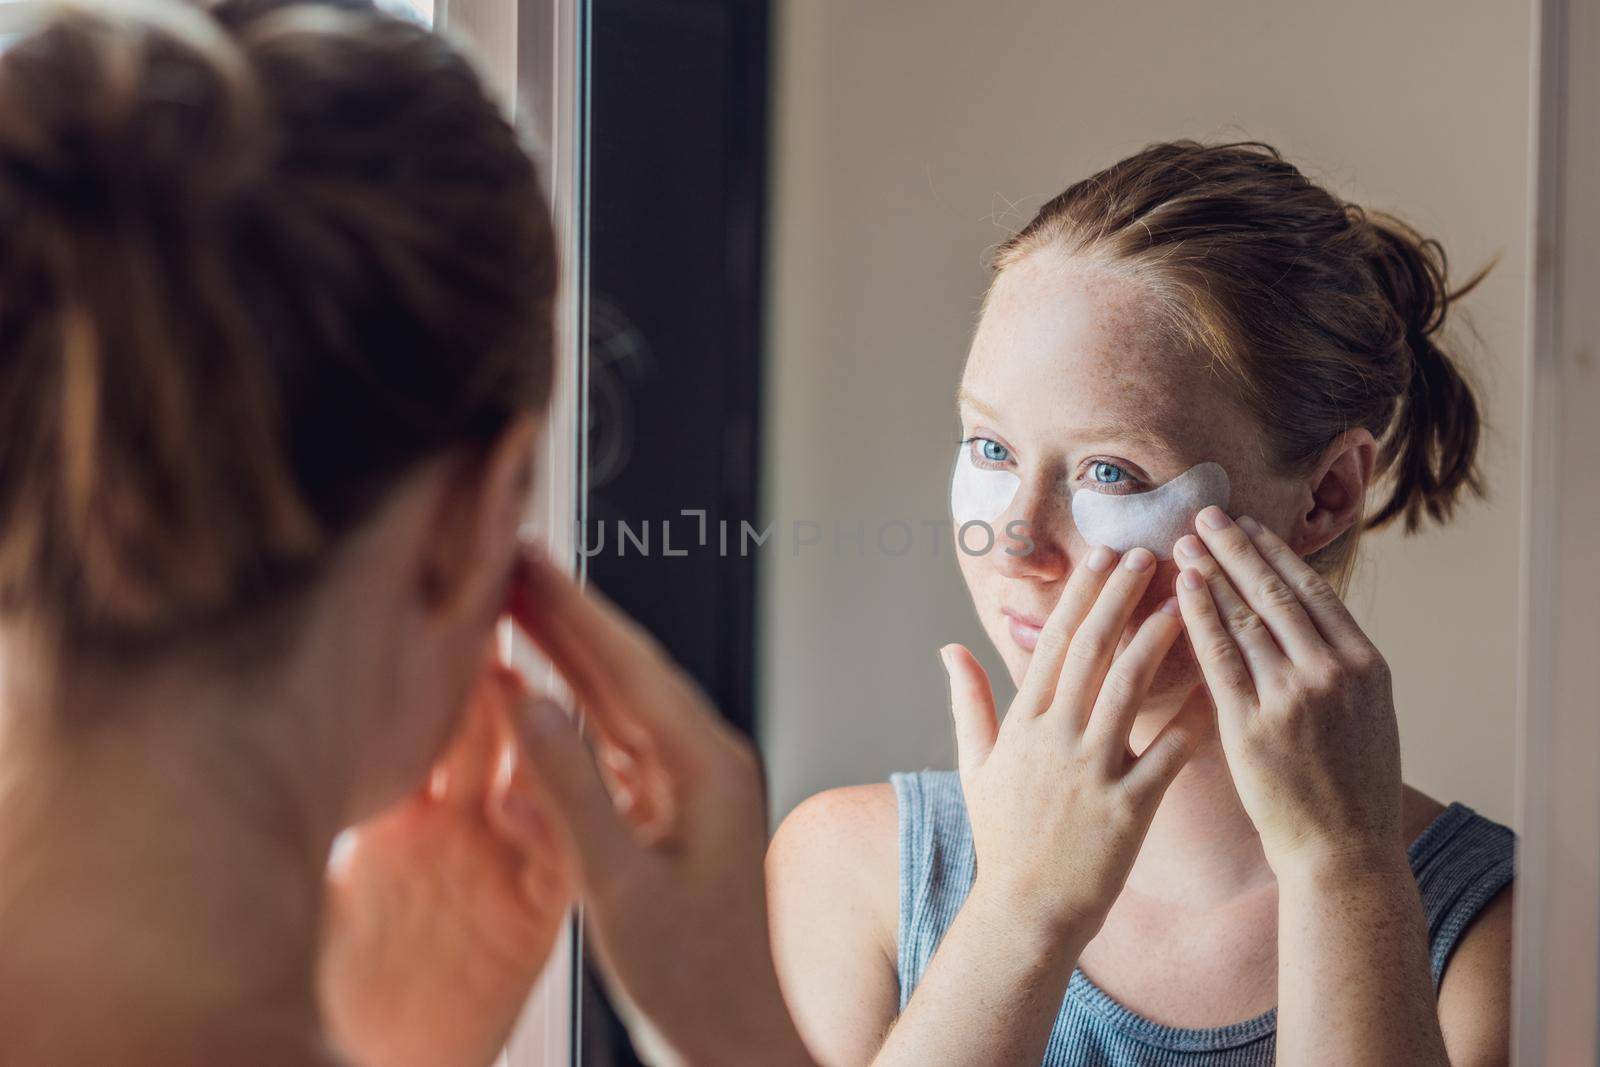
(1058, 802)
(672, 883)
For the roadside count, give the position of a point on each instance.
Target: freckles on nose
(1043, 512)
(1030, 556)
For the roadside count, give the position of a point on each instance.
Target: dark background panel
(678, 134)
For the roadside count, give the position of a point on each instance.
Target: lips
(1024, 629)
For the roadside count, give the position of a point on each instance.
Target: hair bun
(1432, 452)
(258, 258)
(124, 109)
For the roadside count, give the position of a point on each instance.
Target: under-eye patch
(979, 494)
(1154, 520)
(1121, 521)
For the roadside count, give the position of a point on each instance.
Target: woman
(275, 337)
(1262, 888)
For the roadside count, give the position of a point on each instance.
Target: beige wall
(911, 135)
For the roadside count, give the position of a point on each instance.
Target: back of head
(258, 259)
(1322, 315)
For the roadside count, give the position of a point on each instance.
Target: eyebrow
(1119, 432)
(1127, 434)
(965, 398)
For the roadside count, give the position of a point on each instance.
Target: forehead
(1065, 348)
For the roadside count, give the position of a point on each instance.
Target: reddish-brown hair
(1325, 316)
(258, 259)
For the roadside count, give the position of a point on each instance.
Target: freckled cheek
(1162, 586)
(977, 574)
(1270, 501)
(1179, 670)
(984, 585)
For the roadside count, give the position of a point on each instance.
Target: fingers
(1128, 680)
(1169, 751)
(464, 776)
(636, 695)
(522, 814)
(971, 706)
(580, 804)
(1259, 584)
(1221, 662)
(1095, 642)
(1321, 601)
(1077, 598)
(1260, 650)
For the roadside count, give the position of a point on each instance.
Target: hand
(1304, 708)
(674, 898)
(445, 909)
(1058, 802)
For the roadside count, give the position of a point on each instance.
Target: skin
(1065, 743)
(167, 821)
(443, 910)
(164, 854)
(672, 888)
(165, 860)
(1268, 863)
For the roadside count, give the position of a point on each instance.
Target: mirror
(534, 54)
(795, 208)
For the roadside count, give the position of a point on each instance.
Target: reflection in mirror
(1102, 255)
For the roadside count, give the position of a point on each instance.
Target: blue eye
(1106, 473)
(993, 451)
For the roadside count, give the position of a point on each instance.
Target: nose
(1031, 538)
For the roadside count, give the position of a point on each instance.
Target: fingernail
(1139, 559)
(1249, 525)
(1100, 559)
(1192, 580)
(1171, 606)
(1215, 518)
(1189, 545)
(944, 657)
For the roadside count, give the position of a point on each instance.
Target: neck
(1202, 847)
(163, 843)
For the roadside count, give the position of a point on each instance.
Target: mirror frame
(1556, 978)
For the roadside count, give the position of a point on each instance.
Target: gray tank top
(1461, 861)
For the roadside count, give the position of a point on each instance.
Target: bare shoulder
(197, 1045)
(842, 843)
(254, 1042)
(833, 893)
(1475, 993)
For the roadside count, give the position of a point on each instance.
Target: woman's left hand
(444, 909)
(1304, 708)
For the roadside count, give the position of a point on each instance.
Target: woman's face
(1072, 387)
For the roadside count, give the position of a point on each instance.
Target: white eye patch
(1153, 520)
(978, 494)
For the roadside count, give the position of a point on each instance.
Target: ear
(471, 543)
(1336, 492)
